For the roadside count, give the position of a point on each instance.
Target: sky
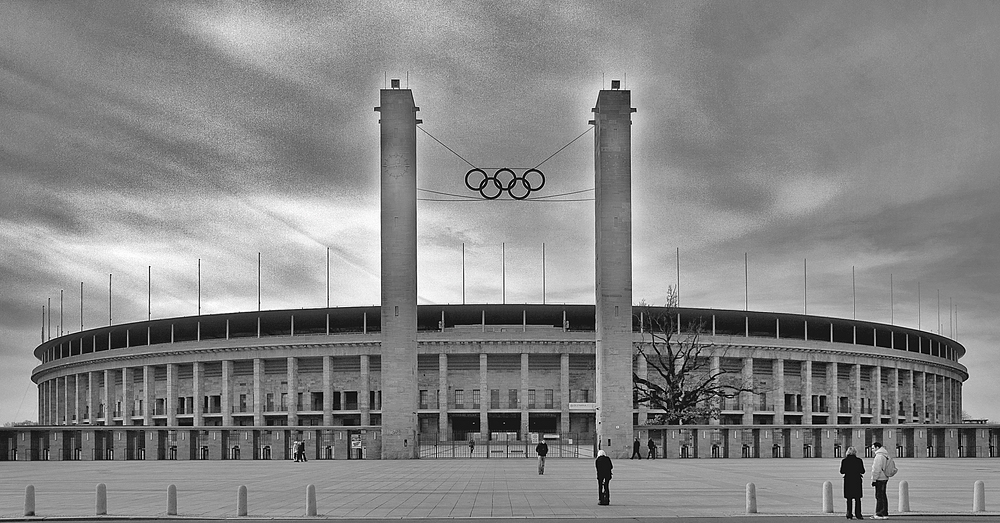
(815, 140)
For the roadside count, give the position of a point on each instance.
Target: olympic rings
(504, 180)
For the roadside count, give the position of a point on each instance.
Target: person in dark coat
(853, 469)
(541, 449)
(604, 467)
(635, 449)
(652, 449)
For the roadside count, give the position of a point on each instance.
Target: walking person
(541, 449)
(635, 449)
(853, 469)
(472, 446)
(302, 451)
(882, 470)
(296, 451)
(604, 466)
(652, 449)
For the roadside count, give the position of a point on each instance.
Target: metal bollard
(979, 497)
(904, 497)
(102, 499)
(827, 497)
(172, 500)
(29, 500)
(311, 500)
(241, 501)
(751, 498)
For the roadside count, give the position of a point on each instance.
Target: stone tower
(398, 125)
(613, 204)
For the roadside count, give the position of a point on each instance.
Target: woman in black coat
(853, 470)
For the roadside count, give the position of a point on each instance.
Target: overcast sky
(846, 134)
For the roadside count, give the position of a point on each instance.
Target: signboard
(355, 441)
(587, 407)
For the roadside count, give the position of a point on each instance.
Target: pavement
(690, 490)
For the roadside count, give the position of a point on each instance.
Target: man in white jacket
(879, 480)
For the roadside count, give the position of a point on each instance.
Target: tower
(613, 206)
(398, 140)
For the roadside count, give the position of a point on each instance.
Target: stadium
(405, 381)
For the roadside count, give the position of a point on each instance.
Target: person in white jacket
(879, 480)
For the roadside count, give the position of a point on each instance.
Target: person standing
(604, 467)
(853, 469)
(880, 478)
(635, 449)
(295, 450)
(472, 446)
(541, 449)
(652, 449)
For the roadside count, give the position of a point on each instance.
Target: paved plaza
(484, 488)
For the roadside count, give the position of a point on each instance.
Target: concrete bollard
(311, 500)
(172, 500)
(979, 497)
(29, 500)
(751, 498)
(904, 497)
(241, 501)
(827, 497)
(102, 499)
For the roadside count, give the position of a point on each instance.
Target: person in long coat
(604, 466)
(853, 469)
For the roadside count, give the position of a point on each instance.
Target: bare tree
(681, 380)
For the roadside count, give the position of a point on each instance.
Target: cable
(589, 128)
(445, 146)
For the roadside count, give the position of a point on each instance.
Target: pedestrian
(882, 470)
(853, 469)
(652, 449)
(295, 450)
(302, 451)
(472, 446)
(635, 449)
(541, 449)
(604, 467)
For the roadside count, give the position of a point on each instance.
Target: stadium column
(857, 401)
(197, 373)
(398, 177)
(717, 402)
(778, 370)
(484, 394)
(127, 394)
(748, 398)
(443, 432)
(807, 392)
(564, 424)
(148, 393)
(522, 403)
(364, 391)
(258, 393)
(227, 387)
(876, 383)
(613, 223)
(172, 392)
(327, 391)
(77, 415)
(833, 393)
(292, 377)
(108, 396)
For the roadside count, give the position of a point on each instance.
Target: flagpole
(49, 335)
(258, 281)
(746, 281)
(503, 273)
(543, 273)
(854, 294)
(81, 306)
(678, 276)
(805, 288)
(149, 293)
(60, 312)
(327, 277)
(109, 300)
(463, 273)
(892, 303)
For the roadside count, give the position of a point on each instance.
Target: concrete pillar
(833, 392)
(128, 395)
(807, 392)
(78, 400)
(259, 367)
(484, 397)
(197, 375)
(292, 377)
(172, 393)
(778, 371)
(444, 433)
(894, 395)
(149, 393)
(911, 399)
(398, 141)
(715, 367)
(642, 369)
(226, 393)
(949, 406)
(876, 383)
(856, 397)
(108, 396)
(613, 223)
(522, 402)
(60, 392)
(924, 409)
(564, 425)
(327, 391)
(364, 394)
(93, 396)
(747, 398)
